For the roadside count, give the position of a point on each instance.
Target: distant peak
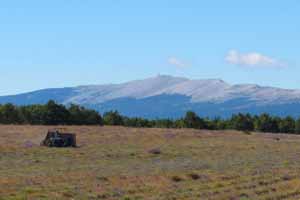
(215, 80)
(164, 76)
(161, 77)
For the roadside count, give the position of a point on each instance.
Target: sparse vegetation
(114, 163)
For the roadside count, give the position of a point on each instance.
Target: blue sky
(61, 43)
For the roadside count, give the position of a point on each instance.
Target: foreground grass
(119, 163)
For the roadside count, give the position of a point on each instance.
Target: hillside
(167, 96)
(126, 163)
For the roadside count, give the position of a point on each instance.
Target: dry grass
(118, 163)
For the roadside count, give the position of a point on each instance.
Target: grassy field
(131, 164)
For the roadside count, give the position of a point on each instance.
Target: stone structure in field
(59, 139)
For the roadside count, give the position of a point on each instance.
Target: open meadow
(149, 164)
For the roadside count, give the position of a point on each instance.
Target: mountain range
(170, 97)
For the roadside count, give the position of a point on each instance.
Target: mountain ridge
(180, 93)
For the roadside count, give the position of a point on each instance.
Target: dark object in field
(58, 139)
(177, 178)
(247, 132)
(194, 176)
(155, 151)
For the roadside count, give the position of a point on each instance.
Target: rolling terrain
(171, 97)
(131, 164)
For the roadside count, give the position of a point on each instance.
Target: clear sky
(57, 43)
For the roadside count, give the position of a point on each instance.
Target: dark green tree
(266, 123)
(242, 122)
(192, 120)
(297, 126)
(179, 123)
(56, 114)
(82, 116)
(10, 114)
(113, 118)
(34, 114)
(287, 125)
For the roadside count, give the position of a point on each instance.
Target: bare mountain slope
(167, 96)
(210, 90)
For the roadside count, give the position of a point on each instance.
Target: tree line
(58, 114)
(241, 122)
(49, 114)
